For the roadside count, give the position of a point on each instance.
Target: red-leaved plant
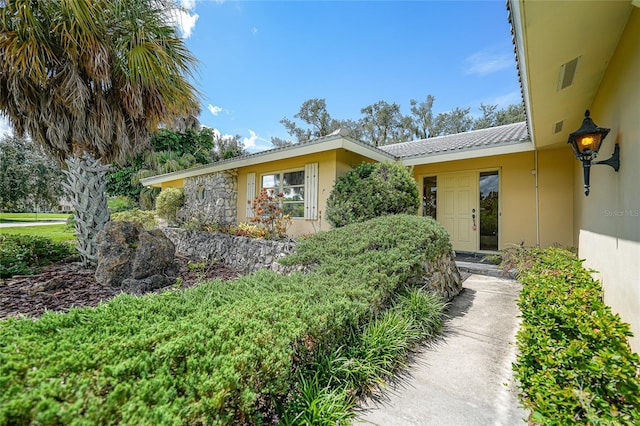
(268, 213)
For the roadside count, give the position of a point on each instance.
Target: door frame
(476, 200)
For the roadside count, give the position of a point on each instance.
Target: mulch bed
(68, 284)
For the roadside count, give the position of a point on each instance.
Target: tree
(371, 190)
(313, 112)
(87, 81)
(421, 120)
(383, 123)
(457, 120)
(27, 176)
(513, 113)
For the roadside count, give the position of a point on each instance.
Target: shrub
(371, 190)
(269, 214)
(575, 364)
(121, 204)
(221, 353)
(146, 218)
(24, 254)
(168, 203)
(249, 230)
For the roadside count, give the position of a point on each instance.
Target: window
(291, 185)
(489, 201)
(429, 196)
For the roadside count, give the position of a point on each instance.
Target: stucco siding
(607, 222)
(326, 178)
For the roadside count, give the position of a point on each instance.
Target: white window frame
(281, 188)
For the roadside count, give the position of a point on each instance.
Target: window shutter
(311, 191)
(251, 193)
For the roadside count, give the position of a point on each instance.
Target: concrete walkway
(465, 378)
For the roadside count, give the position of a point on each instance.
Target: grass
(31, 217)
(58, 232)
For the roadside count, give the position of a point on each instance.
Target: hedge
(575, 365)
(221, 353)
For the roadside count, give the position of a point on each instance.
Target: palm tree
(88, 80)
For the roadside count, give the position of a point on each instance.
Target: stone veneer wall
(440, 277)
(211, 198)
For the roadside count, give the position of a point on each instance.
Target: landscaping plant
(371, 190)
(146, 218)
(269, 214)
(24, 254)
(575, 365)
(169, 202)
(248, 351)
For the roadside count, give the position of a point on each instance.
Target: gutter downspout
(535, 172)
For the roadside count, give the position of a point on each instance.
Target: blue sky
(260, 60)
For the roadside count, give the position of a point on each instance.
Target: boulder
(134, 259)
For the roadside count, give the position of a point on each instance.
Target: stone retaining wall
(440, 277)
(245, 254)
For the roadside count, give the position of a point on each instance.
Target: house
(574, 56)
(486, 186)
(492, 188)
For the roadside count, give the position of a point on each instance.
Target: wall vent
(557, 127)
(567, 73)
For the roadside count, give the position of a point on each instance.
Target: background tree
(313, 113)
(28, 178)
(382, 124)
(371, 190)
(88, 81)
(492, 117)
(421, 120)
(457, 120)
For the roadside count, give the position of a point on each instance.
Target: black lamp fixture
(586, 142)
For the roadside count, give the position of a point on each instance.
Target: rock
(134, 259)
(143, 285)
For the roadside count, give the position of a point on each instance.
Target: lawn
(57, 232)
(31, 217)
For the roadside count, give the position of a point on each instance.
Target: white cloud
(254, 30)
(215, 110)
(184, 18)
(255, 143)
(486, 62)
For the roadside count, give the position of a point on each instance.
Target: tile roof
(475, 139)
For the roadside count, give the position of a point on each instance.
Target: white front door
(458, 210)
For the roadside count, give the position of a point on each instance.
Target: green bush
(372, 190)
(575, 364)
(121, 204)
(168, 203)
(221, 353)
(24, 254)
(146, 218)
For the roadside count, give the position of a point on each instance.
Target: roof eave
(322, 145)
(441, 157)
(515, 17)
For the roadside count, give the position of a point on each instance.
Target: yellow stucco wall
(326, 178)
(607, 222)
(178, 183)
(347, 160)
(517, 221)
(555, 183)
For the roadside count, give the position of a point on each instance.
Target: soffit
(552, 34)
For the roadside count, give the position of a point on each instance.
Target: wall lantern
(586, 142)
